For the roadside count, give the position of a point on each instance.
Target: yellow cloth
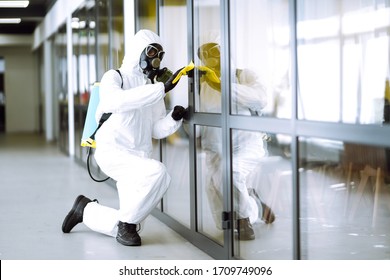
(210, 74)
(184, 71)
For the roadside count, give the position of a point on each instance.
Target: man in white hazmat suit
(248, 98)
(124, 142)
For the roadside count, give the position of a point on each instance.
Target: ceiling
(31, 17)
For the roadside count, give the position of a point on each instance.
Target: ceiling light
(10, 20)
(14, 4)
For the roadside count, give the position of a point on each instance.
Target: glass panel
(92, 47)
(209, 182)
(91, 64)
(2, 95)
(350, 58)
(262, 196)
(176, 159)
(175, 47)
(80, 71)
(117, 43)
(146, 15)
(156, 154)
(102, 36)
(345, 200)
(176, 156)
(84, 53)
(206, 47)
(260, 58)
(61, 86)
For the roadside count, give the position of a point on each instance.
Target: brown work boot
(245, 230)
(266, 214)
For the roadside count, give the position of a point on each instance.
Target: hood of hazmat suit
(138, 44)
(138, 109)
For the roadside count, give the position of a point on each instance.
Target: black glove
(151, 75)
(179, 112)
(168, 84)
(190, 73)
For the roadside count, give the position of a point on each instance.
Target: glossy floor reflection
(38, 186)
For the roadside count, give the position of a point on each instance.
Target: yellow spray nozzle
(184, 71)
(88, 143)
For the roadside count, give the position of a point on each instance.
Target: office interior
(324, 66)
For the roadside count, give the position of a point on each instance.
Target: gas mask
(150, 60)
(210, 55)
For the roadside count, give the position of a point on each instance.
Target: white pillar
(69, 51)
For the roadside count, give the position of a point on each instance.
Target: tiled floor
(38, 185)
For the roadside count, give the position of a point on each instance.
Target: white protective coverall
(248, 147)
(124, 141)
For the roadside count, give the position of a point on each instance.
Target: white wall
(21, 89)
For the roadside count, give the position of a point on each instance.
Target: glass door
(175, 151)
(260, 90)
(208, 131)
(194, 203)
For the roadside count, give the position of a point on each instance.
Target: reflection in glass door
(260, 88)
(189, 206)
(253, 191)
(297, 190)
(209, 183)
(207, 92)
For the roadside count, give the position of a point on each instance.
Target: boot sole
(243, 237)
(128, 243)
